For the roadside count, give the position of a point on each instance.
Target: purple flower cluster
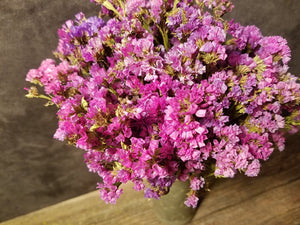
(164, 90)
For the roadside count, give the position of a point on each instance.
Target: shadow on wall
(35, 170)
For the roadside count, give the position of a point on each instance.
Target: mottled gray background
(35, 170)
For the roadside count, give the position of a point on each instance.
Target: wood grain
(270, 199)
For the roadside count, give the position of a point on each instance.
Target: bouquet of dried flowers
(160, 90)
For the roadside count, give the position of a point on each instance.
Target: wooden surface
(273, 198)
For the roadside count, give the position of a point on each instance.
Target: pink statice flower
(192, 201)
(159, 91)
(253, 168)
(197, 183)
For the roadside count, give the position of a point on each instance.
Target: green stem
(164, 35)
(44, 97)
(110, 6)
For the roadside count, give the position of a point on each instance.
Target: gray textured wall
(35, 170)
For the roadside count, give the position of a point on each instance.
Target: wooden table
(271, 198)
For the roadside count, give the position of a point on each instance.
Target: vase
(170, 208)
